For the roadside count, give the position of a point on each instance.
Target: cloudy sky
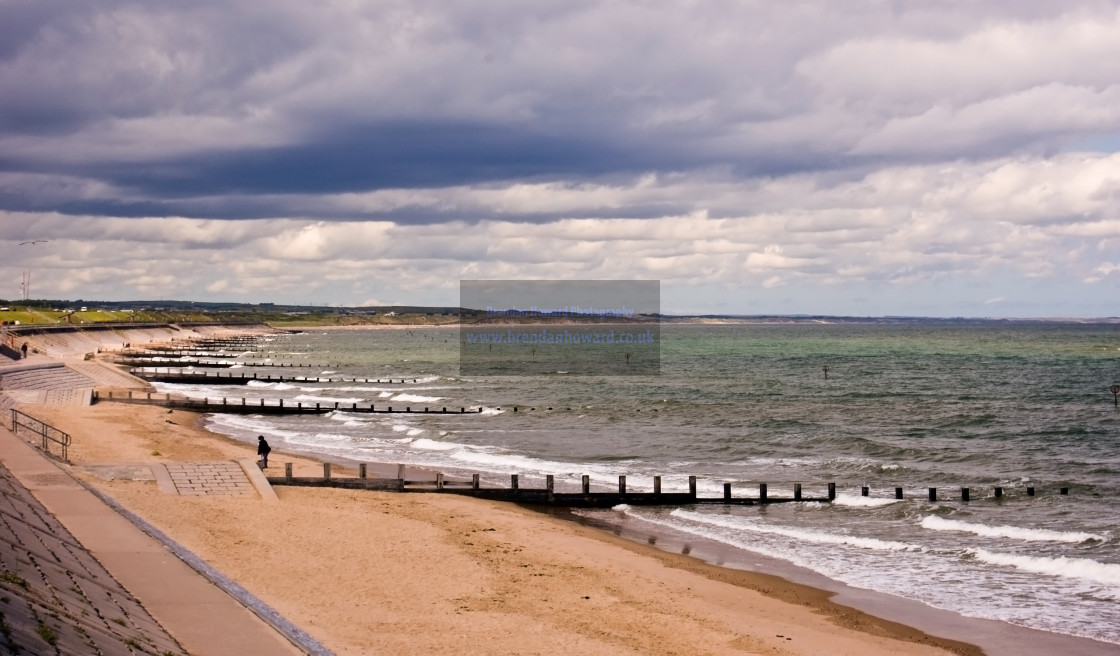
(871, 157)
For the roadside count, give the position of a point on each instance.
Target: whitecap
(414, 398)
(1081, 568)
(740, 524)
(935, 523)
(861, 501)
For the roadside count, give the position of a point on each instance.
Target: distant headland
(84, 312)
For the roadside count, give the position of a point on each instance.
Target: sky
(858, 158)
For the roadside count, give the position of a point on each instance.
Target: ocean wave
(935, 523)
(327, 399)
(433, 445)
(1063, 566)
(275, 386)
(861, 501)
(415, 398)
(739, 524)
(249, 424)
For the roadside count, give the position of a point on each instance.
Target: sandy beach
(370, 572)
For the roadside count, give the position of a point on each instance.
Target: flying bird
(36, 241)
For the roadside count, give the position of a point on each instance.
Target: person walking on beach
(263, 449)
(24, 349)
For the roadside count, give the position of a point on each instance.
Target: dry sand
(369, 572)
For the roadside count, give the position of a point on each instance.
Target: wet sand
(369, 572)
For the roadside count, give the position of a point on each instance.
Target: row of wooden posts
(159, 359)
(217, 377)
(298, 408)
(585, 497)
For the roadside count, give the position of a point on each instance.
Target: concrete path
(199, 615)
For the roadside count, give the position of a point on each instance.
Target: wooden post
(474, 481)
(964, 494)
(933, 494)
(692, 487)
(130, 394)
(400, 471)
(727, 491)
(281, 403)
(513, 482)
(622, 485)
(898, 493)
(999, 491)
(549, 483)
(327, 470)
(657, 485)
(762, 491)
(1030, 491)
(439, 480)
(288, 471)
(832, 491)
(797, 491)
(362, 470)
(586, 484)
(864, 491)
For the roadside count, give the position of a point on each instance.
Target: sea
(910, 404)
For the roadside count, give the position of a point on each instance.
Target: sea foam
(1080, 568)
(935, 523)
(741, 524)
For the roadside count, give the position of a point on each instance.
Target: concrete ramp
(49, 383)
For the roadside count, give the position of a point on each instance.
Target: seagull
(36, 241)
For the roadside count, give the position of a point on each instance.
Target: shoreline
(904, 620)
(878, 614)
(180, 518)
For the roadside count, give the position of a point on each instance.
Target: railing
(48, 434)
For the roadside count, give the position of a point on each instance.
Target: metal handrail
(48, 434)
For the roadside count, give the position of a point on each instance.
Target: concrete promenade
(200, 616)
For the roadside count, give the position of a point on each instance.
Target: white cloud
(387, 149)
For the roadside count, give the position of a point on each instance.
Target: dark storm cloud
(167, 107)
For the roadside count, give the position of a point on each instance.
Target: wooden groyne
(261, 407)
(176, 375)
(175, 353)
(221, 362)
(166, 362)
(585, 498)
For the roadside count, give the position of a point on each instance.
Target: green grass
(49, 635)
(14, 579)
